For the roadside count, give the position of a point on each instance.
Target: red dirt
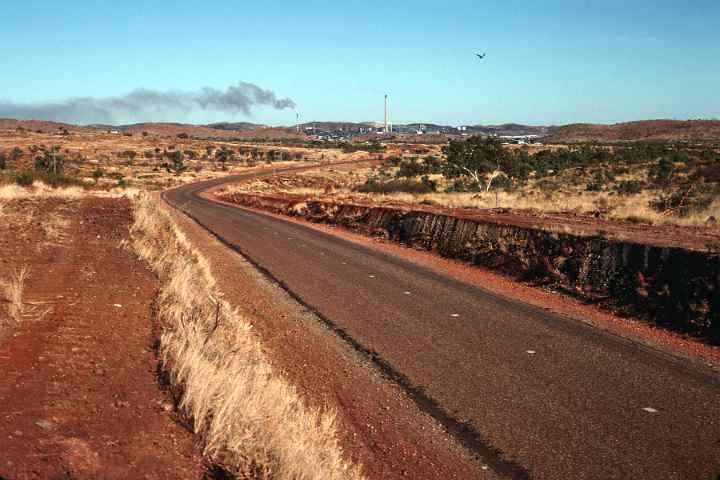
(79, 397)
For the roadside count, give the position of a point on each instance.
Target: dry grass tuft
(11, 298)
(252, 421)
(38, 190)
(55, 229)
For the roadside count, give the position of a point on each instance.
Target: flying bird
(481, 56)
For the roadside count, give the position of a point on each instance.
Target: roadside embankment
(671, 286)
(252, 421)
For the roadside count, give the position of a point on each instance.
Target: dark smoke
(142, 103)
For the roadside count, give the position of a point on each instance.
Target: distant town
(510, 133)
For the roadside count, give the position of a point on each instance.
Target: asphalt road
(533, 394)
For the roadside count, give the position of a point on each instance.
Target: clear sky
(549, 62)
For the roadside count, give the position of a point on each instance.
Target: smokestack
(297, 122)
(386, 114)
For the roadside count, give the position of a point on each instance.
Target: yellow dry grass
(570, 197)
(38, 190)
(250, 418)
(11, 298)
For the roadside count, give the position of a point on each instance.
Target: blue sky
(551, 62)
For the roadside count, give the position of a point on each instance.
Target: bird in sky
(481, 56)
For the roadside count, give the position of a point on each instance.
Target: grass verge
(252, 422)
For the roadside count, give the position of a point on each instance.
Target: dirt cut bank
(672, 287)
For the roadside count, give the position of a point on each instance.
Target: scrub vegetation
(252, 422)
(651, 182)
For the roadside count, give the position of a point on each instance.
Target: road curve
(532, 394)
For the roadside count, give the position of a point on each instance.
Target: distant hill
(508, 129)
(224, 131)
(235, 126)
(639, 130)
(677, 130)
(35, 125)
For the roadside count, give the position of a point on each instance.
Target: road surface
(532, 394)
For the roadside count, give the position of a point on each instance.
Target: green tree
(178, 161)
(477, 159)
(50, 161)
(129, 156)
(223, 156)
(16, 154)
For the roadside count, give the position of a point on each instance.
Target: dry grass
(11, 298)
(250, 418)
(39, 190)
(571, 196)
(55, 229)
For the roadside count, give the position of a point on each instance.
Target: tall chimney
(297, 121)
(386, 114)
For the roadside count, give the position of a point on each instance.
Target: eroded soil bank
(79, 396)
(671, 286)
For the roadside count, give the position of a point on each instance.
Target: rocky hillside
(641, 130)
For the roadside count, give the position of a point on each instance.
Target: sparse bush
(97, 174)
(129, 156)
(690, 198)
(223, 155)
(3, 160)
(398, 185)
(16, 154)
(178, 162)
(662, 173)
(50, 161)
(598, 182)
(548, 185)
(24, 179)
(628, 187)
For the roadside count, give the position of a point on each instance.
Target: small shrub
(628, 187)
(598, 182)
(16, 154)
(24, 179)
(691, 198)
(372, 185)
(97, 174)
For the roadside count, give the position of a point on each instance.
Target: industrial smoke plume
(142, 103)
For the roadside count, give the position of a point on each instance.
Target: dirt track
(79, 396)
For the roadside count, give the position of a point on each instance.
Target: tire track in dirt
(79, 397)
